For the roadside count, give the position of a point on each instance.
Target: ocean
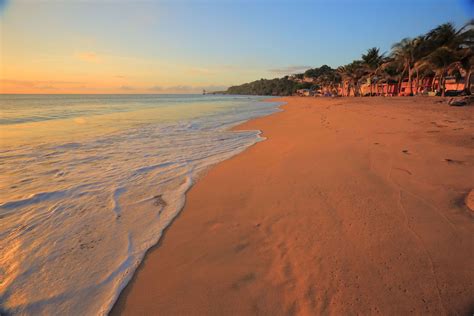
(88, 183)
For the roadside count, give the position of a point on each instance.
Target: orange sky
(78, 47)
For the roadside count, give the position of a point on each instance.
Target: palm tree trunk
(442, 81)
(443, 90)
(370, 88)
(417, 82)
(467, 83)
(399, 84)
(409, 80)
(433, 83)
(400, 81)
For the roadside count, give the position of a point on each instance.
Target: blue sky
(139, 46)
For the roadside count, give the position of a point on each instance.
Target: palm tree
(346, 80)
(403, 53)
(421, 48)
(352, 74)
(447, 35)
(373, 60)
(451, 49)
(466, 62)
(389, 72)
(442, 60)
(465, 38)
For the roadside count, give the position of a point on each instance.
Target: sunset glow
(173, 47)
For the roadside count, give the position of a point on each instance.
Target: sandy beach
(351, 206)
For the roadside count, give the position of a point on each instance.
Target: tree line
(443, 51)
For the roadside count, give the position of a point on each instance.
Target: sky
(146, 46)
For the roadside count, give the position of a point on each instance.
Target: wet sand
(352, 205)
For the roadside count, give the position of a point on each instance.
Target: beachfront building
(433, 86)
(454, 86)
(429, 85)
(304, 92)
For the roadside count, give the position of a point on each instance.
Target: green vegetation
(285, 86)
(444, 51)
(280, 87)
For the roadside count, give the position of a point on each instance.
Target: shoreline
(380, 224)
(125, 289)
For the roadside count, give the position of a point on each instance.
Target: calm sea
(89, 182)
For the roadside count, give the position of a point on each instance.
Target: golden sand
(352, 205)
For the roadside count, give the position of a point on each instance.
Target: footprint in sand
(244, 280)
(241, 246)
(438, 125)
(404, 170)
(453, 161)
(406, 152)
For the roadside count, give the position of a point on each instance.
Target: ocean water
(88, 183)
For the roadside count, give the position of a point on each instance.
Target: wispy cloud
(40, 84)
(156, 88)
(90, 57)
(289, 70)
(126, 88)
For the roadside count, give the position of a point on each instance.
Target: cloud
(126, 88)
(289, 70)
(156, 88)
(40, 84)
(90, 57)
